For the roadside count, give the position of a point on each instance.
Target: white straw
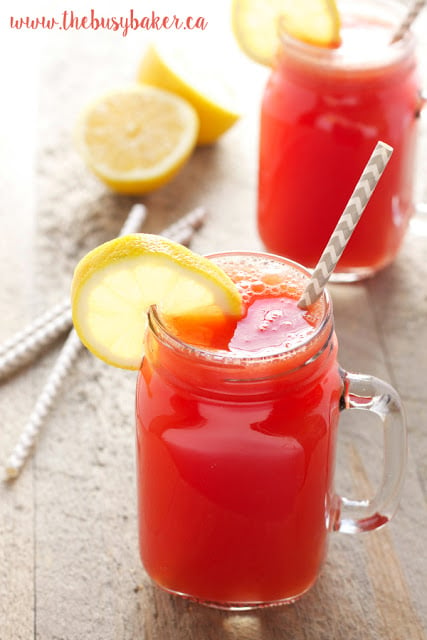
(29, 434)
(180, 231)
(63, 364)
(24, 346)
(346, 224)
(183, 229)
(406, 24)
(39, 323)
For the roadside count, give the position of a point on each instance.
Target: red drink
(323, 112)
(236, 446)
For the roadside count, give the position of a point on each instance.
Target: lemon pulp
(115, 284)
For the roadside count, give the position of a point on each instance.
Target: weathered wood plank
(68, 540)
(17, 596)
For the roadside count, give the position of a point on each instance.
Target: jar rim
(394, 53)
(223, 357)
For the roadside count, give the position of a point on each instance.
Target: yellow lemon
(195, 76)
(137, 138)
(256, 25)
(115, 284)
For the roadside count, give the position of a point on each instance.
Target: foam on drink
(270, 291)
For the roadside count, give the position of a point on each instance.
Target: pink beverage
(236, 444)
(323, 111)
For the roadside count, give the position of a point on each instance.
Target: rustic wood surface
(69, 565)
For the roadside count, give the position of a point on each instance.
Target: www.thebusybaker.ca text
(69, 20)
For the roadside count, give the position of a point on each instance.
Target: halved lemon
(195, 75)
(137, 138)
(256, 25)
(115, 284)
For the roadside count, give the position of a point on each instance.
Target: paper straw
(183, 229)
(180, 231)
(24, 346)
(63, 364)
(36, 326)
(29, 434)
(346, 224)
(406, 23)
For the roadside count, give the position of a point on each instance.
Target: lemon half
(115, 284)
(137, 138)
(195, 76)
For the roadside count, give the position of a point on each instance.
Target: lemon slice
(115, 284)
(137, 138)
(195, 76)
(256, 25)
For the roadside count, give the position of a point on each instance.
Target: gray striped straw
(406, 23)
(346, 224)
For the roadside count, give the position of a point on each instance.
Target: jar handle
(421, 103)
(421, 207)
(367, 393)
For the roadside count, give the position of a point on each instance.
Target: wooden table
(69, 566)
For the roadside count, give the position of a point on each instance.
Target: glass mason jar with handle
(236, 449)
(322, 112)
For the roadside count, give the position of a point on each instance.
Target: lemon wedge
(115, 284)
(257, 23)
(137, 138)
(194, 75)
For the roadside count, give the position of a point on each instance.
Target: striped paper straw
(24, 346)
(346, 224)
(63, 364)
(180, 231)
(406, 23)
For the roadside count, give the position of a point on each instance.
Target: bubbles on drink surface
(270, 317)
(270, 290)
(258, 276)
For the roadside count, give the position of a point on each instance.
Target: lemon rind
(141, 180)
(94, 276)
